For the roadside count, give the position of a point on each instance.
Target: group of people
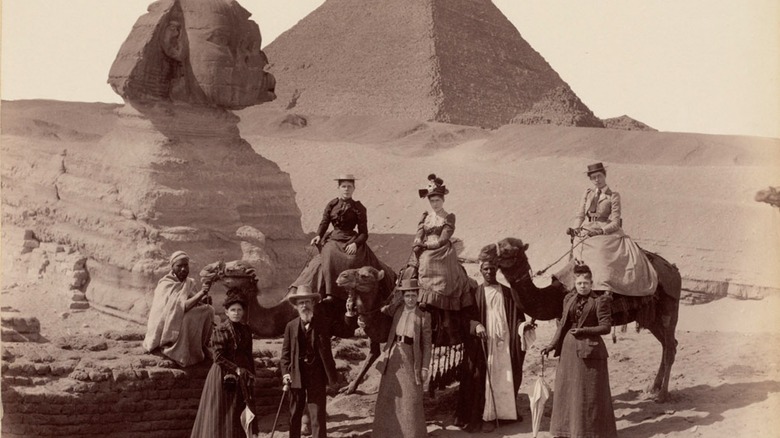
(181, 326)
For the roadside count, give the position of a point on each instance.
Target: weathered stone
(464, 62)
(79, 305)
(171, 54)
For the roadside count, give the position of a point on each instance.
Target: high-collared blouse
(345, 215)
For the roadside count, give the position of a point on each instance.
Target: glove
(571, 232)
(286, 379)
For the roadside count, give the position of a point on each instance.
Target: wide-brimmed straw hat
(410, 284)
(595, 168)
(345, 177)
(302, 291)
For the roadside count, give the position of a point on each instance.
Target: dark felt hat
(594, 168)
(234, 298)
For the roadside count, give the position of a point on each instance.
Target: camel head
(506, 253)
(237, 275)
(770, 195)
(362, 280)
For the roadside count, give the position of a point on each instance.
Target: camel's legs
(372, 356)
(663, 329)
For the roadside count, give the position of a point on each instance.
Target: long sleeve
(557, 340)
(285, 360)
(579, 218)
(447, 230)
(420, 235)
(427, 334)
(362, 235)
(222, 343)
(614, 215)
(325, 222)
(604, 316)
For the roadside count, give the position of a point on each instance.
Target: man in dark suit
(484, 341)
(307, 360)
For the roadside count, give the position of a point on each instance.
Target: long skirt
(219, 412)
(617, 263)
(191, 346)
(582, 400)
(399, 408)
(321, 272)
(443, 280)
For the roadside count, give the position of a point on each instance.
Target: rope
(570, 251)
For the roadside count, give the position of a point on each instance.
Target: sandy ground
(687, 196)
(725, 381)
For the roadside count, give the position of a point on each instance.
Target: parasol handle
(542, 366)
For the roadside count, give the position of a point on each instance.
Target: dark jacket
(595, 320)
(345, 215)
(323, 328)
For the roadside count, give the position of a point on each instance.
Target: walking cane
(285, 389)
(489, 379)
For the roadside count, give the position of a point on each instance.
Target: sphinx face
(224, 54)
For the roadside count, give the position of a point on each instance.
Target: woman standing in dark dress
(228, 387)
(343, 247)
(582, 406)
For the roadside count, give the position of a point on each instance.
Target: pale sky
(710, 66)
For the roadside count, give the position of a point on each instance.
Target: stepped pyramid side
(455, 61)
(489, 73)
(358, 57)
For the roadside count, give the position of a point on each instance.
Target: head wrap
(178, 255)
(489, 262)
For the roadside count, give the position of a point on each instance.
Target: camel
(239, 277)
(658, 313)
(770, 195)
(363, 287)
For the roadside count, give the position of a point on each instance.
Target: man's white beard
(306, 315)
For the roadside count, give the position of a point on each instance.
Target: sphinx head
(204, 52)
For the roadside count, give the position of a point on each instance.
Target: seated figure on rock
(180, 321)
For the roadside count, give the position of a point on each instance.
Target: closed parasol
(538, 397)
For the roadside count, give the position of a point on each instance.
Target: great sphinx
(175, 173)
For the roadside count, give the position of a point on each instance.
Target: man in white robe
(500, 314)
(179, 321)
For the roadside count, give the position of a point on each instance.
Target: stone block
(19, 322)
(79, 305)
(79, 296)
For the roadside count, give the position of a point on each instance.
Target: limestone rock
(200, 52)
(626, 123)
(560, 106)
(455, 61)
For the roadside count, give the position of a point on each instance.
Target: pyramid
(454, 61)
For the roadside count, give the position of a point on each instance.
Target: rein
(538, 273)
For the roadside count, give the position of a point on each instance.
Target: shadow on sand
(712, 401)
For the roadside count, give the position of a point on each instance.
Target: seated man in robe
(489, 387)
(180, 321)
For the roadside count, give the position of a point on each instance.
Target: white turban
(178, 255)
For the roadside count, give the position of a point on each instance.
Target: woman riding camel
(443, 281)
(618, 264)
(343, 247)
